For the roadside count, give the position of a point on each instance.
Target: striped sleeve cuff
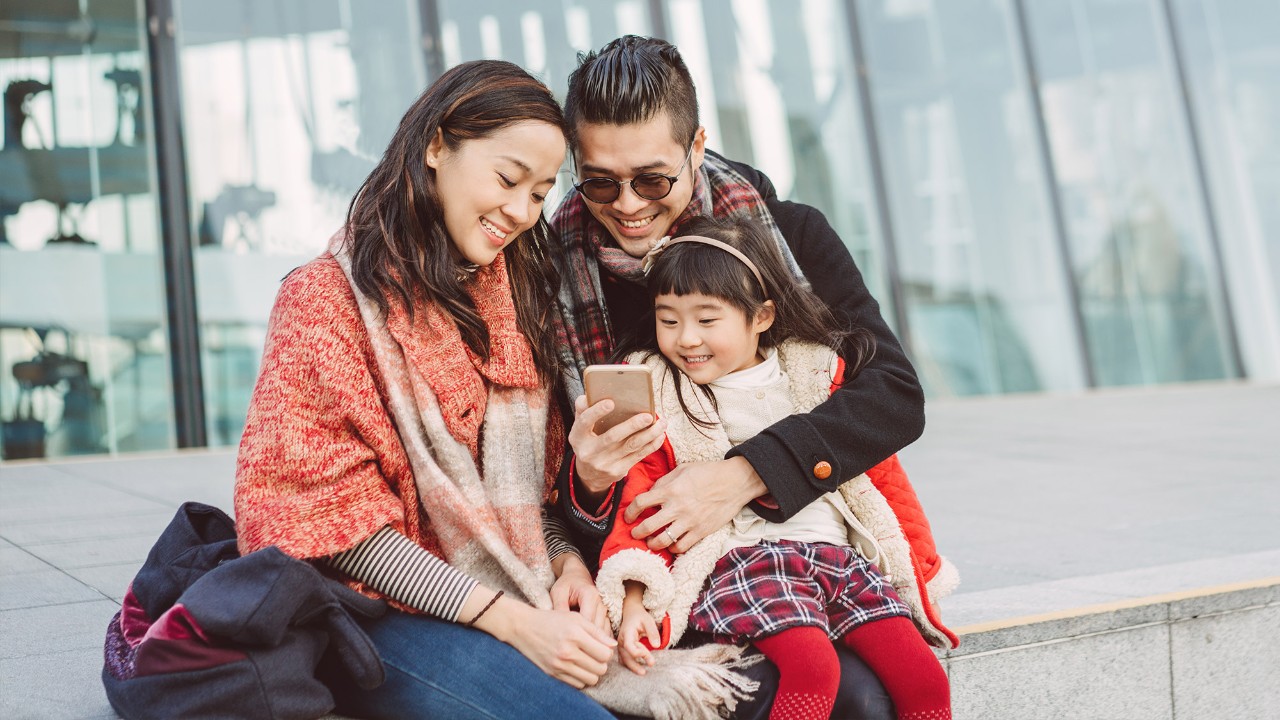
(397, 567)
(557, 536)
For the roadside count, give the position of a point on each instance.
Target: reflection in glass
(989, 311)
(1231, 52)
(84, 362)
(286, 108)
(1137, 230)
(542, 36)
(777, 89)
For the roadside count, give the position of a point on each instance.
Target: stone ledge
(1115, 616)
(1166, 657)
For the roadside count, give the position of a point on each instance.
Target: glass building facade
(1045, 195)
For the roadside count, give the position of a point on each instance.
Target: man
(643, 168)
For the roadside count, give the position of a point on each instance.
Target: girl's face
(491, 189)
(706, 337)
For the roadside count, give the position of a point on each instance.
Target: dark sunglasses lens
(651, 186)
(599, 190)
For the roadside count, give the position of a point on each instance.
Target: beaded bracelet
(483, 610)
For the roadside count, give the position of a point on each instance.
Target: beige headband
(667, 242)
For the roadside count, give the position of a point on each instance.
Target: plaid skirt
(761, 590)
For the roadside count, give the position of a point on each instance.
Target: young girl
(739, 345)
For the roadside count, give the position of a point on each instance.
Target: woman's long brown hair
(399, 246)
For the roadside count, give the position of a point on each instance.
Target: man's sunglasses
(650, 185)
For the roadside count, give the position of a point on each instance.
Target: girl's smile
(706, 337)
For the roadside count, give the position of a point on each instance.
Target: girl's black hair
(689, 268)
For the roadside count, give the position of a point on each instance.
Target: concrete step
(1194, 655)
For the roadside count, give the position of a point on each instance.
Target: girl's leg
(809, 673)
(905, 665)
(438, 669)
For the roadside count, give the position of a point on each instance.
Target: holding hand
(693, 501)
(575, 590)
(636, 627)
(601, 460)
(563, 644)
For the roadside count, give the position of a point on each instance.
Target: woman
(399, 433)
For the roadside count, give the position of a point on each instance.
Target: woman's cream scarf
(489, 521)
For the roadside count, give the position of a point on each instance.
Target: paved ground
(1045, 503)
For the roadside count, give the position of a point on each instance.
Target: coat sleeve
(640, 479)
(589, 525)
(868, 419)
(624, 558)
(308, 479)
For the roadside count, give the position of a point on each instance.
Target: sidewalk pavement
(1044, 502)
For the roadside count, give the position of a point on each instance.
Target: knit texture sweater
(321, 466)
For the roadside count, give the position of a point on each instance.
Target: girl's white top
(749, 401)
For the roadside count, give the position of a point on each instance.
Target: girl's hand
(601, 460)
(637, 623)
(575, 590)
(563, 644)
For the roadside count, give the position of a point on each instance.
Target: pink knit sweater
(321, 466)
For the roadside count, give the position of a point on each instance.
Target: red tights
(893, 648)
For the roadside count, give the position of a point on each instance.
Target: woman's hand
(575, 590)
(563, 644)
(637, 624)
(601, 460)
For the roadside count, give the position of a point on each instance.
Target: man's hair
(631, 80)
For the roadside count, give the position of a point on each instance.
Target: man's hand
(693, 501)
(601, 460)
(575, 590)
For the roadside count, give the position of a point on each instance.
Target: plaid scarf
(585, 334)
(480, 474)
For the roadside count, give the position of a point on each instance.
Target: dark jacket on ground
(206, 633)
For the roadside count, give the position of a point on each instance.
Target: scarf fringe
(698, 682)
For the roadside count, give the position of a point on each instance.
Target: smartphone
(630, 387)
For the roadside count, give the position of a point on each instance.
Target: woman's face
(492, 188)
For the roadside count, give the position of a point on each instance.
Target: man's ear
(435, 150)
(764, 317)
(699, 148)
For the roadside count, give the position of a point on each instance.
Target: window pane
(542, 36)
(988, 306)
(1231, 52)
(83, 336)
(286, 107)
(777, 89)
(1137, 230)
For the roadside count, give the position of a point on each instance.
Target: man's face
(621, 152)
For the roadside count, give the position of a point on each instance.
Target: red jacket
(888, 478)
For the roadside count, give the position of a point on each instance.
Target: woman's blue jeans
(438, 669)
